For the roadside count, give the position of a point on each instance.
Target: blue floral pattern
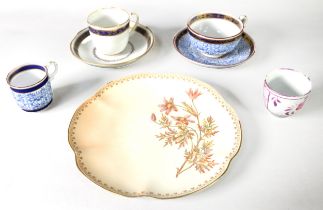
(35, 100)
(243, 51)
(214, 49)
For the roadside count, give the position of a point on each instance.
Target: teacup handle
(243, 19)
(52, 65)
(134, 19)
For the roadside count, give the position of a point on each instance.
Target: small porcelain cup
(110, 29)
(215, 34)
(31, 87)
(285, 91)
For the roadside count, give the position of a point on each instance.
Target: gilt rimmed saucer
(243, 52)
(140, 42)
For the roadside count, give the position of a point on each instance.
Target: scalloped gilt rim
(78, 153)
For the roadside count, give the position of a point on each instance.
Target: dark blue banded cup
(215, 34)
(110, 29)
(31, 87)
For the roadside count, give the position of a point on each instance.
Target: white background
(279, 165)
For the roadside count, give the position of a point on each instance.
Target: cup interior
(26, 76)
(288, 82)
(215, 26)
(108, 17)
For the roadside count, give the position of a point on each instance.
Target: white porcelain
(139, 44)
(110, 29)
(215, 27)
(285, 91)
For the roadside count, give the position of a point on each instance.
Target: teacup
(285, 91)
(215, 34)
(110, 29)
(31, 87)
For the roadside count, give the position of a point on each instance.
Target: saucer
(244, 50)
(140, 42)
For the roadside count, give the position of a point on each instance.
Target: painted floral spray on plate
(182, 125)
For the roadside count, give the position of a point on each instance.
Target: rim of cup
(12, 73)
(203, 15)
(107, 8)
(283, 95)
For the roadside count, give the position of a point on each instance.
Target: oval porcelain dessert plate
(157, 135)
(140, 42)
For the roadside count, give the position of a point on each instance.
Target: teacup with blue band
(214, 34)
(110, 29)
(31, 87)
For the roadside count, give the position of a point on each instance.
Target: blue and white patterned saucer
(240, 54)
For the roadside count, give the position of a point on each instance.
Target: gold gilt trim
(115, 27)
(83, 34)
(201, 16)
(78, 153)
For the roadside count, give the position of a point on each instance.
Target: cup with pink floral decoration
(286, 91)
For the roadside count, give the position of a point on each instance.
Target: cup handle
(52, 65)
(243, 19)
(134, 19)
(307, 76)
